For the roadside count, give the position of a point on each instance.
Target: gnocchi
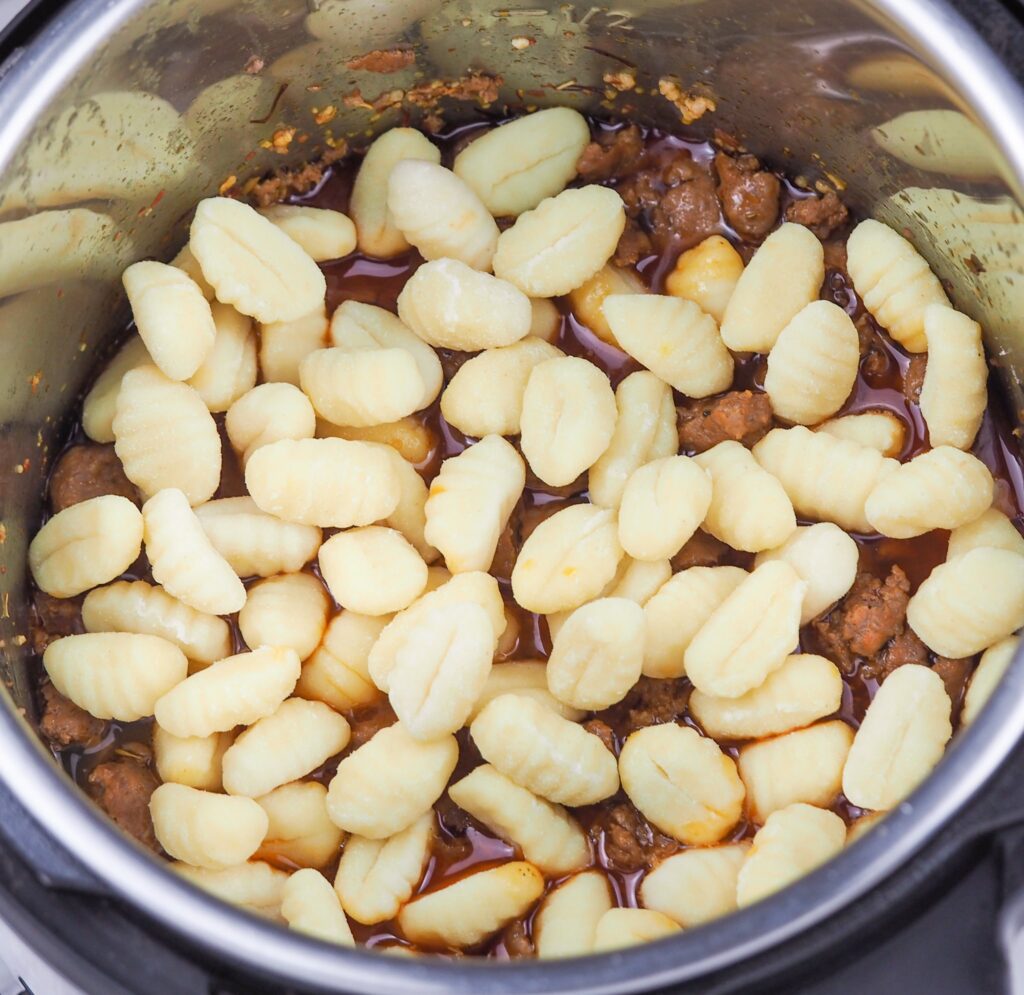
(588, 298)
(268, 413)
(229, 369)
(990, 528)
(286, 610)
(568, 418)
(321, 234)
(707, 274)
(284, 344)
(695, 886)
(880, 430)
(338, 671)
(566, 922)
(90, 543)
(624, 927)
(674, 339)
(994, 662)
(372, 570)
(298, 828)
(309, 905)
(194, 761)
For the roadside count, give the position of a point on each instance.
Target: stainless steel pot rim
(25, 90)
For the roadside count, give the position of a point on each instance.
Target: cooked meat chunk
(903, 648)
(749, 195)
(677, 203)
(740, 415)
(701, 550)
(651, 701)
(954, 674)
(866, 619)
(122, 788)
(913, 379)
(603, 731)
(612, 155)
(88, 471)
(516, 939)
(628, 840)
(824, 215)
(634, 245)
(63, 723)
(53, 618)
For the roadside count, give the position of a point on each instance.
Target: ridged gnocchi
(562, 242)
(172, 316)
(566, 922)
(338, 671)
(324, 482)
(87, 544)
(254, 885)
(749, 635)
(991, 528)
(813, 364)
(567, 560)
(100, 403)
(440, 214)
(452, 306)
(588, 298)
(663, 504)
(286, 610)
(682, 782)
(191, 760)
(284, 345)
(625, 927)
(543, 752)
(229, 369)
(547, 835)
(894, 281)
(568, 418)
(284, 746)
(674, 339)
(135, 606)
(372, 570)
(880, 430)
(943, 488)
(470, 501)
(386, 784)
(514, 167)
(321, 234)
(236, 691)
(970, 603)
(115, 675)
(707, 274)
(986, 677)
(782, 278)
(268, 413)
(309, 905)
(825, 477)
(165, 436)
(749, 509)
(695, 886)
(298, 828)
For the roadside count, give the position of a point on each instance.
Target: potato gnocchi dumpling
(172, 316)
(135, 606)
(285, 344)
(299, 828)
(546, 834)
(792, 842)
(320, 233)
(236, 691)
(376, 231)
(568, 418)
(783, 277)
(464, 913)
(813, 364)
(372, 570)
(943, 488)
(286, 610)
(624, 927)
(562, 242)
(470, 501)
(514, 167)
(338, 671)
(268, 413)
(87, 544)
(674, 339)
(255, 885)
(165, 436)
(229, 369)
(991, 668)
(527, 678)
(750, 634)
(452, 306)
(325, 482)
(900, 739)
(645, 430)
(749, 509)
(115, 675)
(440, 214)
(100, 403)
(386, 784)
(695, 886)
(194, 761)
(588, 298)
(707, 274)
(880, 430)
(805, 688)
(894, 281)
(184, 561)
(566, 922)
(567, 560)
(991, 528)
(554, 758)
(682, 782)
(485, 397)
(254, 542)
(252, 264)
(376, 878)
(309, 905)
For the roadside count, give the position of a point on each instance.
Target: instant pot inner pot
(113, 139)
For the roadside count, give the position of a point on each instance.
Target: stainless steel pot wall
(122, 113)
